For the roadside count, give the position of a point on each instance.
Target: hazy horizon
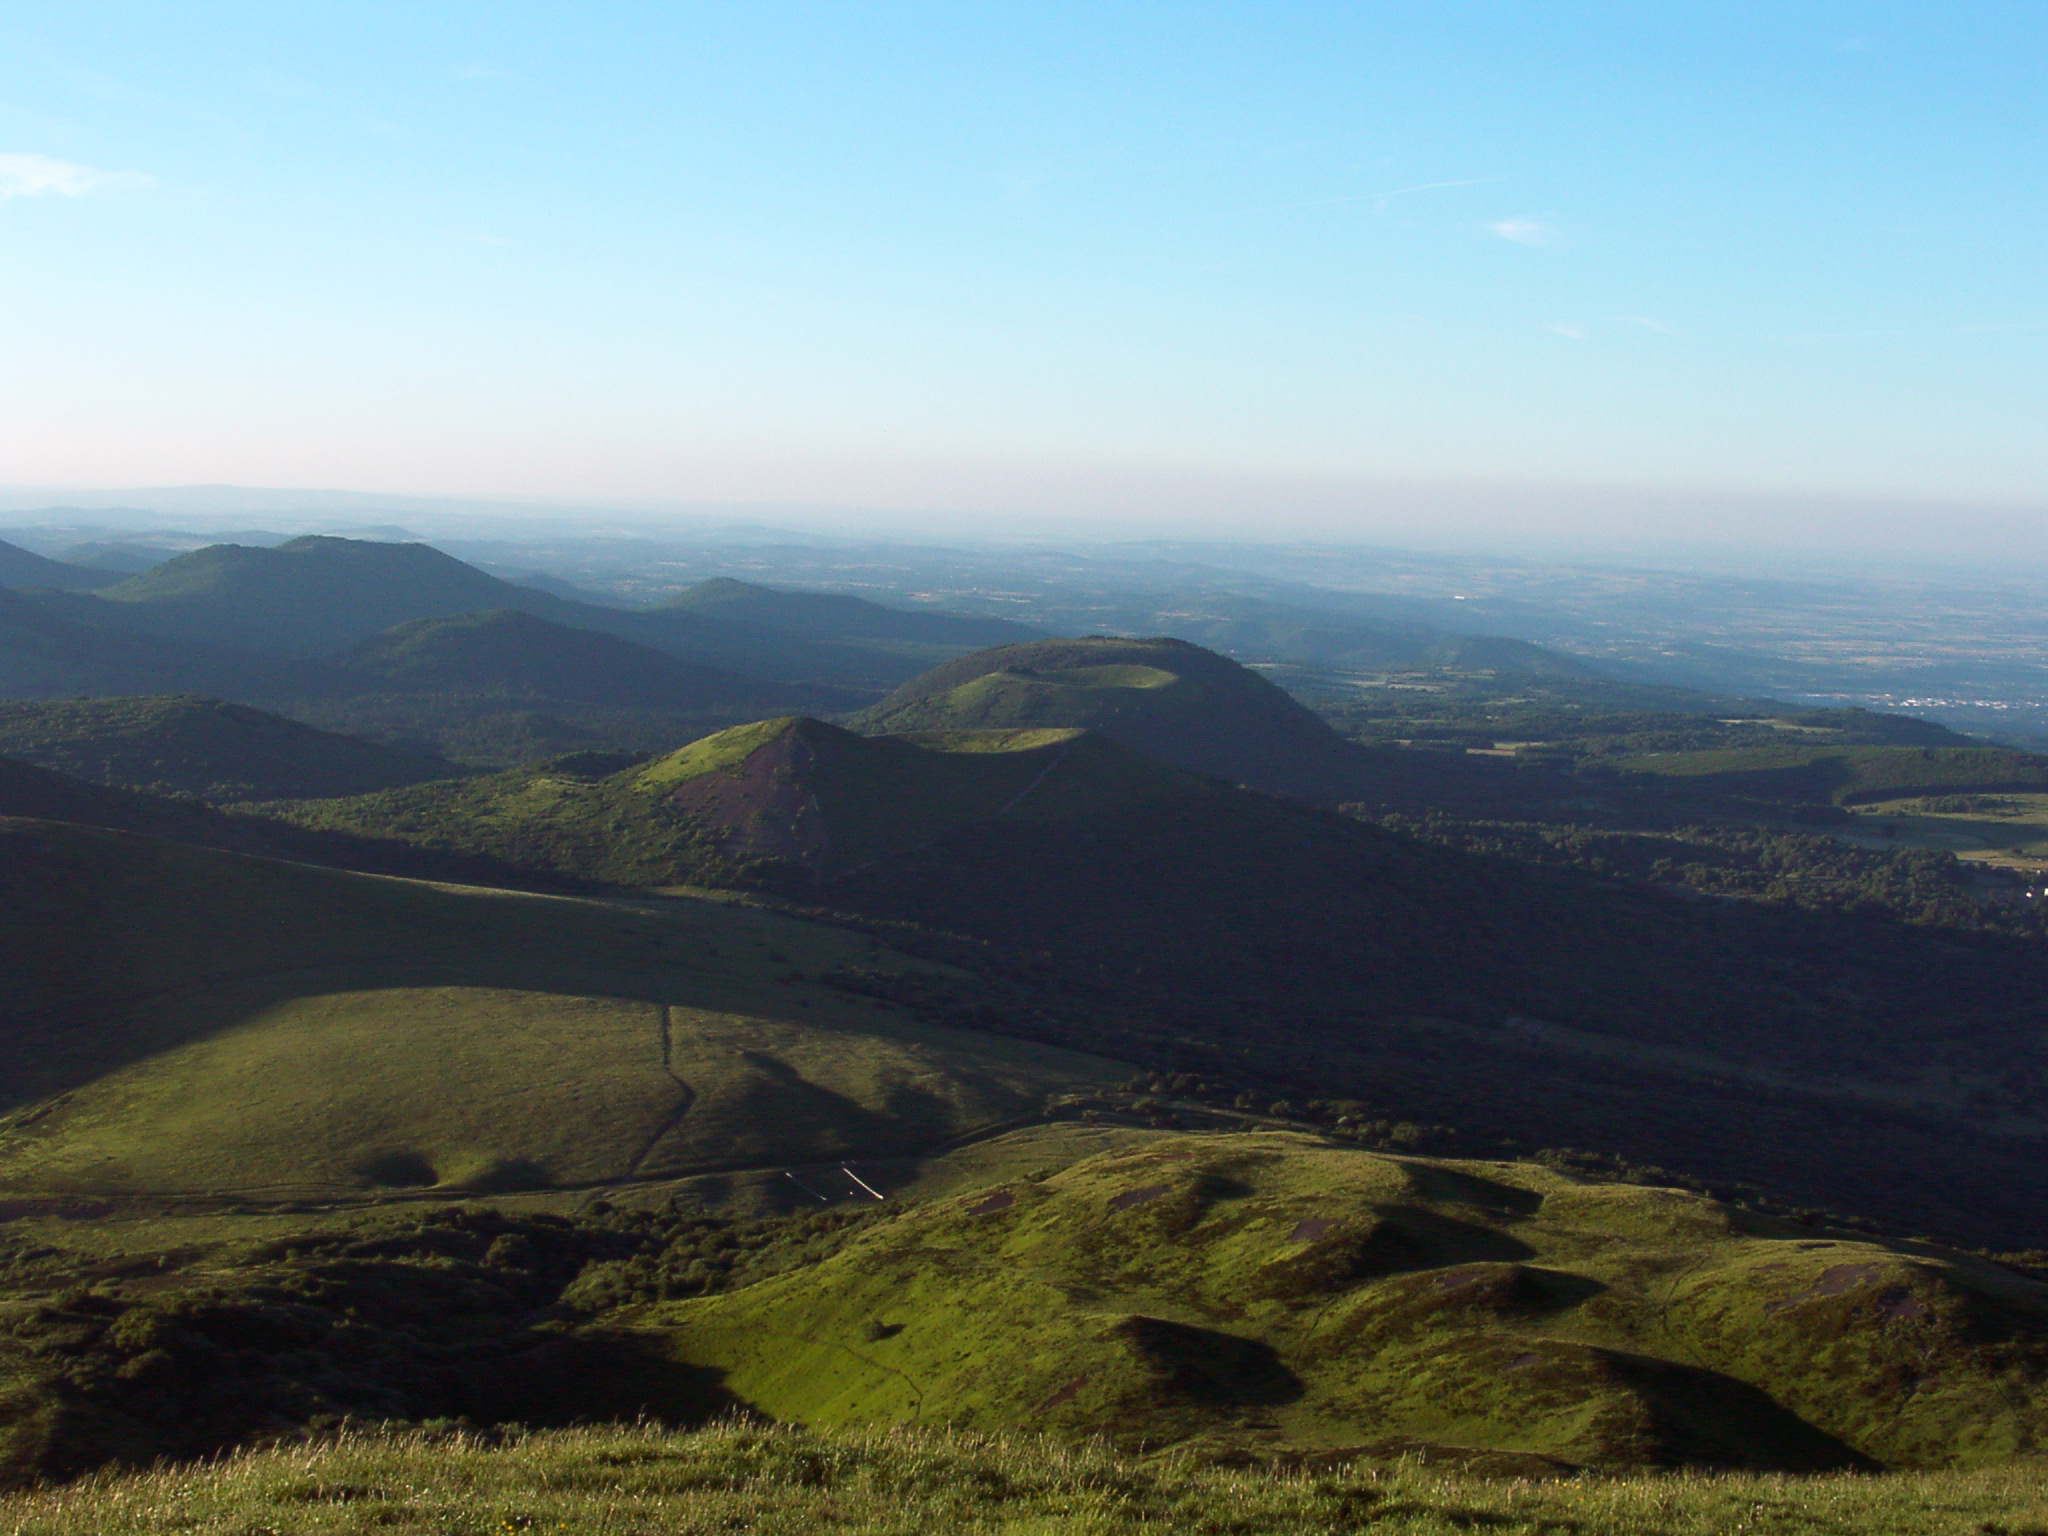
(1616, 529)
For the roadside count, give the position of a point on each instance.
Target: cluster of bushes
(697, 1255)
(461, 1314)
(1799, 869)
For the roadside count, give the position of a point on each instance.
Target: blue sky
(1342, 268)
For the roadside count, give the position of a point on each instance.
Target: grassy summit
(1175, 701)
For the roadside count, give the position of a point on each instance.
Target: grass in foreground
(650, 1482)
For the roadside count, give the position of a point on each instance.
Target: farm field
(2007, 831)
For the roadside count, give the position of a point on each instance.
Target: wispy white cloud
(1576, 332)
(1379, 200)
(483, 239)
(37, 175)
(1438, 186)
(479, 70)
(1650, 325)
(1524, 231)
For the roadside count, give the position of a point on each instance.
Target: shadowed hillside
(518, 655)
(194, 746)
(45, 655)
(23, 568)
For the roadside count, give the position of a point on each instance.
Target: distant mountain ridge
(315, 596)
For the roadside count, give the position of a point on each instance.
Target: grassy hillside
(1272, 1293)
(784, 802)
(583, 1482)
(185, 1021)
(1258, 1298)
(505, 652)
(1175, 701)
(1846, 775)
(185, 745)
(746, 1477)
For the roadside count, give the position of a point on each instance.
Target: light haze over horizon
(1653, 275)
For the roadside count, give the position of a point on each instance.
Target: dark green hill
(1172, 700)
(309, 597)
(830, 616)
(23, 568)
(509, 653)
(186, 745)
(788, 803)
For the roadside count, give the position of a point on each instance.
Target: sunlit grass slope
(1268, 1290)
(644, 1481)
(789, 796)
(183, 1021)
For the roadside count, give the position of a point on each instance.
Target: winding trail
(665, 1028)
